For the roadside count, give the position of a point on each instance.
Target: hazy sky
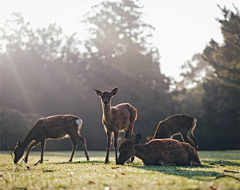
(183, 27)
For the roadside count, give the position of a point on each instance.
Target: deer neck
(28, 139)
(140, 151)
(107, 111)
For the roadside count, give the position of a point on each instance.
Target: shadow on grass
(224, 163)
(80, 162)
(191, 172)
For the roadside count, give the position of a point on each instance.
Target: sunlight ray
(24, 91)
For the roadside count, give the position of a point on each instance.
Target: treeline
(44, 72)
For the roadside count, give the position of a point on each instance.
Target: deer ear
(114, 91)
(136, 139)
(19, 143)
(98, 92)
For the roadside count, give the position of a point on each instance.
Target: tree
(210, 88)
(45, 72)
(196, 71)
(118, 38)
(119, 54)
(14, 126)
(225, 59)
(222, 91)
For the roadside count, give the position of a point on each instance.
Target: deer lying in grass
(115, 119)
(177, 124)
(53, 127)
(163, 152)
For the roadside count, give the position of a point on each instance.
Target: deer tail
(79, 122)
(194, 123)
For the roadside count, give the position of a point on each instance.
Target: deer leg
(42, 149)
(162, 163)
(32, 145)
(109, 137)
(193, 139)
(131, 134)
(127, 135)
(83, 142)
(185, 138)
(194, 163)
(74, 146)
(115, 144)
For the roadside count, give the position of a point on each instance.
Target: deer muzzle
(105, 102)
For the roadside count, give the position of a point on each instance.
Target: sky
(182, 27)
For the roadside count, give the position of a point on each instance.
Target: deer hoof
(194, 163)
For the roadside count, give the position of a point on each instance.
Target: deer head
(127, 149)
(18, 152)
(106, 95)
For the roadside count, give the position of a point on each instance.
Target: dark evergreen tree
(222, 91)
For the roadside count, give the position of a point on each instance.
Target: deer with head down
(52, 127)
(163, 152)
(116, 118)
(177, 124)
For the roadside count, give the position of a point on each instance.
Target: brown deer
(115, 119)
(52, 127)
(163, 152)
(177, 124)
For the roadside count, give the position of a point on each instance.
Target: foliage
(118, 43)
(221, 101)
(15, 124)
(118, 54)
(196, 71)
(213, 79)
(55, 174)
(225, 59)
(45, 72)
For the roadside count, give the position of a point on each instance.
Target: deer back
(171, 151)
(57, 126)
(173, 125)
(122, 115)
(160, 147)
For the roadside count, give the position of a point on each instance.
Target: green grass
(57, 174)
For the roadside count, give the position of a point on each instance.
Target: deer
(116, 119)
(159, 152)
(52, 127)
(177, 124)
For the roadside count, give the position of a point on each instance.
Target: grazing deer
(163, 152)
(52, 127)
(115, 119)
(177, 124)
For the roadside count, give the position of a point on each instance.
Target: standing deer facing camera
(52, 127)
(177, 124)
(115, 119)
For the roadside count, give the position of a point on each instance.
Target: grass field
(220, 170)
